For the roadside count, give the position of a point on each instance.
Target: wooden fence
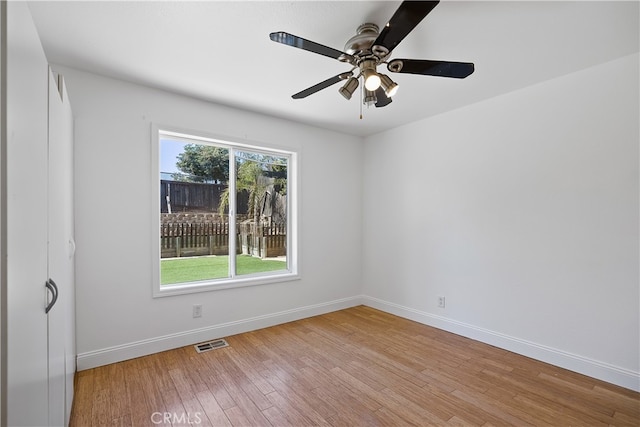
(261, 240)
(197, 197)
(209, 238)
(189, 196)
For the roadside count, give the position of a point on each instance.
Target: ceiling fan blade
(300, 43)
(382, 99)
(458, 70)
(322, 85)
(405, 19)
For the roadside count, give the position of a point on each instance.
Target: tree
(256, 173)
(204, 163)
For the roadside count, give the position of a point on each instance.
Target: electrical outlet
(441, 302)
(197, 310)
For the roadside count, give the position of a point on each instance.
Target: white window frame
(292, 272)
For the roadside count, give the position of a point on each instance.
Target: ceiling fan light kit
(349, 87)
(371, 77)
(369, 97)
(390, 87)
(370, 48)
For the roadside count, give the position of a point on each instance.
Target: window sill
(218, 285)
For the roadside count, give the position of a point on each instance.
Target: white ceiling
(221, 52)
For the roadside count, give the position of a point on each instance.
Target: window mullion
(233, 235)
(290, 215)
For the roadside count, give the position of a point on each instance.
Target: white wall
(523, 212)
(3, 216)
(117, 317)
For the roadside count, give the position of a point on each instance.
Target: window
(225, 212)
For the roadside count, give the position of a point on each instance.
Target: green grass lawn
(178, 270)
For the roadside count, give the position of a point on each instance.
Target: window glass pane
(225, 215)
(194, 225)
(261, 220)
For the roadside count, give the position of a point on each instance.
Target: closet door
(27, 85)
(61, 330)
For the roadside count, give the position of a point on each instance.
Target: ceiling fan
(370, 48)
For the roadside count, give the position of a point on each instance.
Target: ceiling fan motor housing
(361, 42)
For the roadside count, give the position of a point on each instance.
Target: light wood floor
(357, 367)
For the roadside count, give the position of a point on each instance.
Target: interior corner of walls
(119, 353)
(603, 371)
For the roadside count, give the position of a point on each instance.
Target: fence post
(178, 254)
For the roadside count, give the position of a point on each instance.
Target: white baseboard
(583, 365)
(593, 368)
(119, 353)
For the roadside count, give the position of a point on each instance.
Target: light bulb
(389, 86)
(392, 90)
(371, 80)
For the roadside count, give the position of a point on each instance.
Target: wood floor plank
(388, 399)
(195, 414)
(181, 382)
(124, 421)
(352, 367)
(623, 400)
(217, 388)
(83, 398)
(444, 405)
(504, 413)
(622, 419)
(172, 403)
(197, 364)
(160, 365)
(299, 396)
(117, 392)
(340, 391)
(551, 412)
(241, 379)
(237, 417)
(212, 409)
(276, 417)
(101, 408)
(248, 364)
(290, 412)
(348, 409)
(143, 397)
(389, 418)
(552, 396)
(233, 384)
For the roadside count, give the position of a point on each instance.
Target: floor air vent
(211, 345)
